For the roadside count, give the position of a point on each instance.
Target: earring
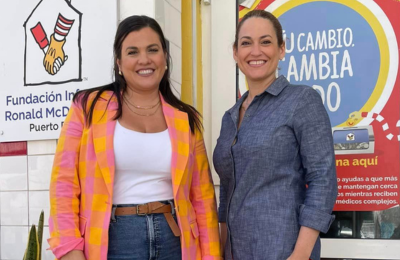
(120, 72)
(166, 67)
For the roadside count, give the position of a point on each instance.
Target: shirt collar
(274, 89)
(277, 86)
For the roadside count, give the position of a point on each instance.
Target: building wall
(24, 184)
(25, 167)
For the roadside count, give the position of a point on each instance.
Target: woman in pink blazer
(131, 178)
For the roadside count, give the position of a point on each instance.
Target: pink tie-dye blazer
(82, 181)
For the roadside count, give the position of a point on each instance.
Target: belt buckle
(142, 214)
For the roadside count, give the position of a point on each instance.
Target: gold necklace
(142, 107)
(139, 113)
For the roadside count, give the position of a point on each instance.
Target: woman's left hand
(305, 244)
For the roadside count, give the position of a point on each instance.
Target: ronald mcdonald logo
(52, 44)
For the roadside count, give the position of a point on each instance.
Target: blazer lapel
(103, 127)
(179, 133)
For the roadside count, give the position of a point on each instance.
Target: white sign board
(49, 50)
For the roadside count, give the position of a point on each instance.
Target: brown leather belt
(151, 208)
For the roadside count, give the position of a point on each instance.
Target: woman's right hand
(74, 255)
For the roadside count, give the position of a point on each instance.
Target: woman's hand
(305, 244)
(74, 255)
(295, 256)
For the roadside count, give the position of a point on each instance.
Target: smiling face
(258, 52)
(143, 60)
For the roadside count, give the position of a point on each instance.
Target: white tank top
(142, 166)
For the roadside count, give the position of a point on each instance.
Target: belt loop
(113, 219)
(171, 202)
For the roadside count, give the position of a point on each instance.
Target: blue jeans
(142, 237)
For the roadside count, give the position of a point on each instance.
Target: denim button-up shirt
(277, 172)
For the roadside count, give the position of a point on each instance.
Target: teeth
(144, 72)
(256, 62)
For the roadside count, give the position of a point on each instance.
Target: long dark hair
(131, 24)
(260, 14)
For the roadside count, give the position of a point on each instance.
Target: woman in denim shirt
(274, 156)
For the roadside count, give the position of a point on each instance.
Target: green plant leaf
(40, 233)
(31, 252)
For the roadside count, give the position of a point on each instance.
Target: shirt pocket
(195, 229)
(275, 140)
(257, 139)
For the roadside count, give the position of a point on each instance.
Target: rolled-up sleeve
(313, 132)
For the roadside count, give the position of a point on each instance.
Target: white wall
(168, 15)
(24, 180)
(207, 85)
(136, 7)
(24, 184)
(223, 68)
